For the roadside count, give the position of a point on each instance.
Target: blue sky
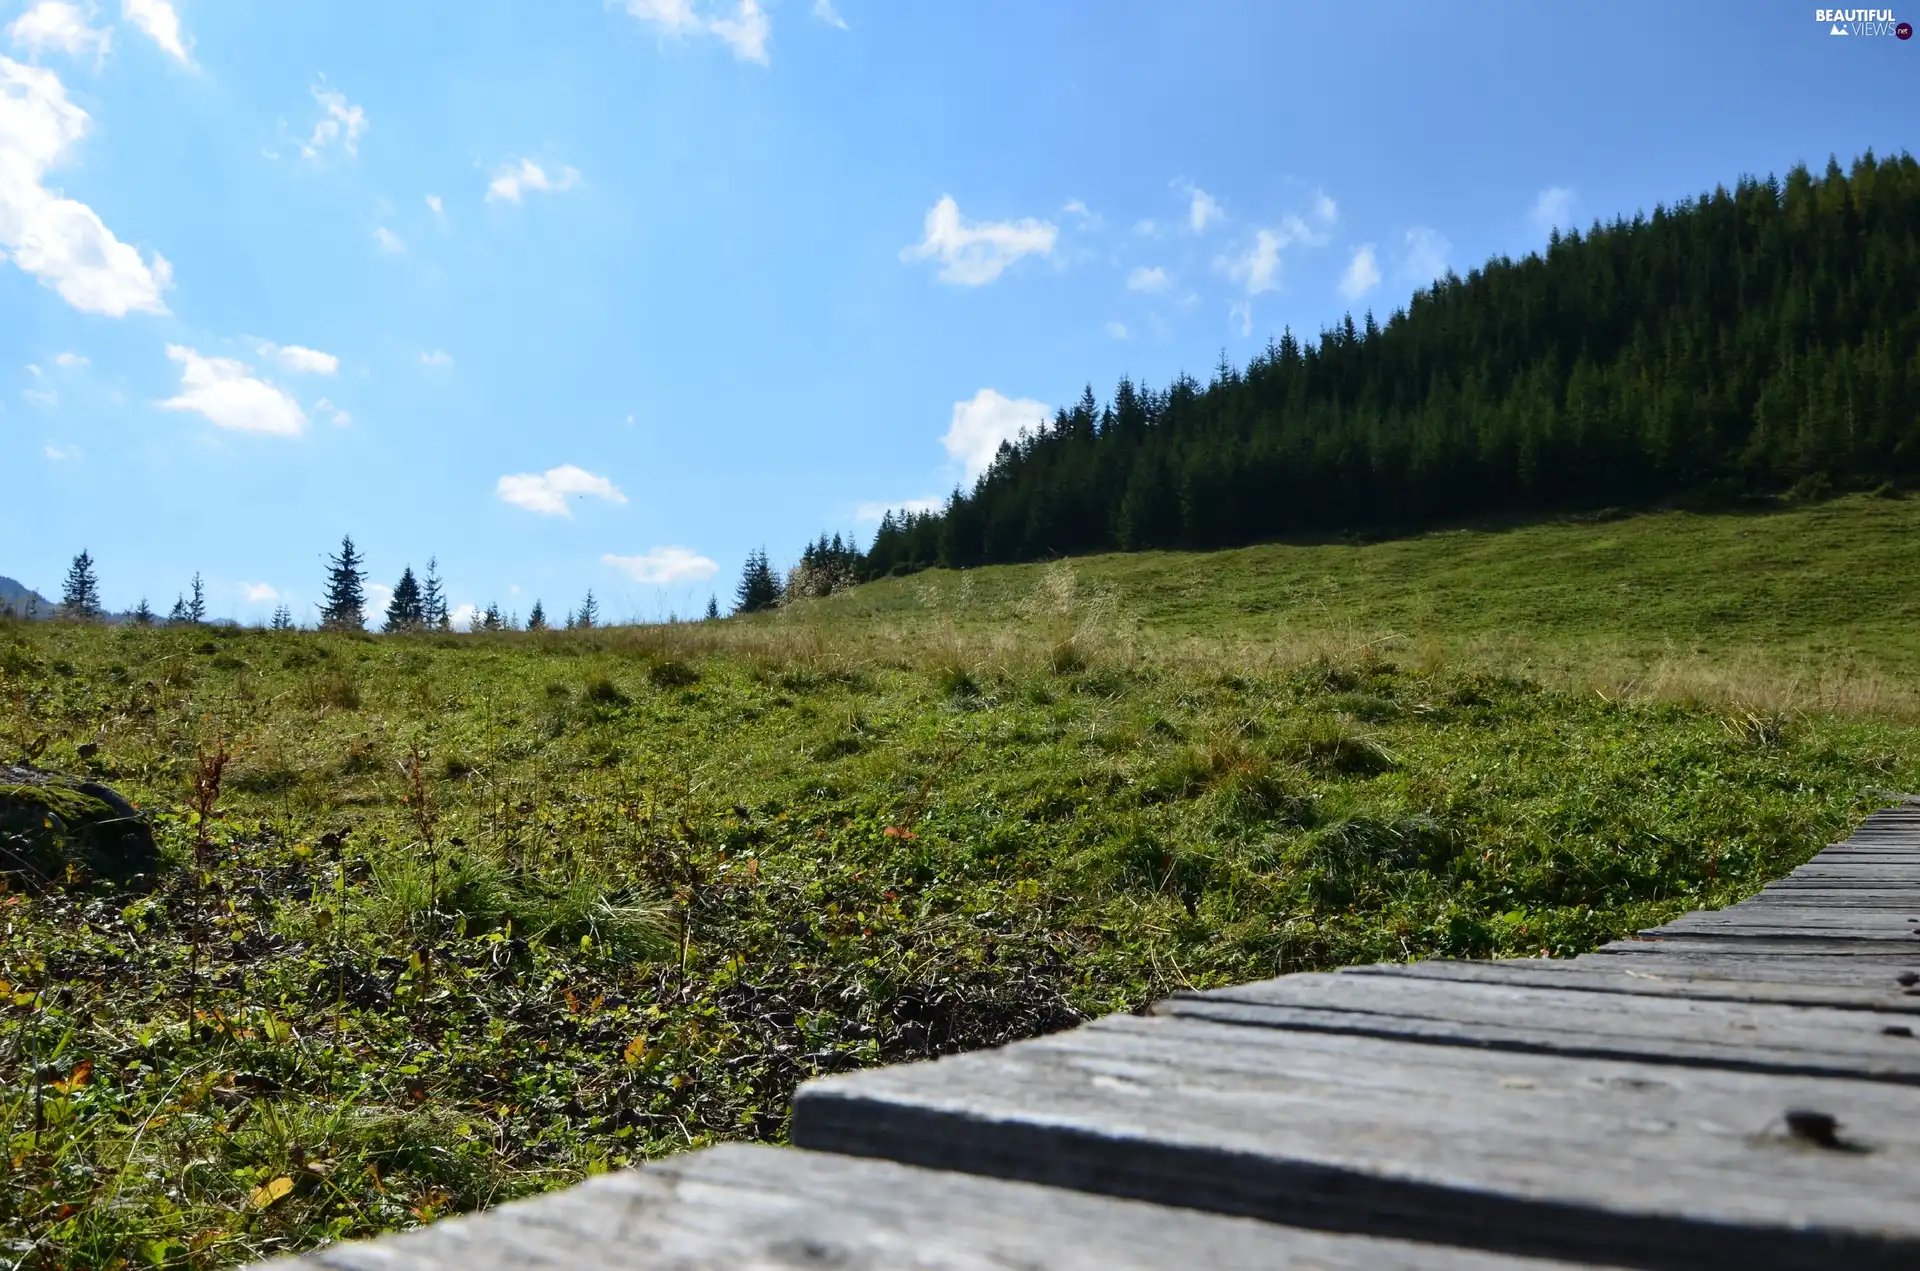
(580, 294)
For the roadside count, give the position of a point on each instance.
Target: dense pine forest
(1750, 341)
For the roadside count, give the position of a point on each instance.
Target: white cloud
(72, 361)
(517, 175)
(299, 358)
(1152, 281)
(823, 11)
(461, 619)
(388, 240)
(547, 492)
(1118, 330)
(60, 454)
(1426, 256)
(1553, 209)
(1257, 267)
(664, 565)
(54, 24)
(379, 596)
(339, 121)
(160, 22)
(745, 30)
(433, 201)
(975, 254)
(875, 511)
(258, 593)
(1363, 273)
(985, 420)
(1202, 209)
(226, 392)
(58, 240)
(340, 418)
(1325, 208)
(436, 357)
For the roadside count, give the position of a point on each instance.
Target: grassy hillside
(474, 916)
(1790, 607)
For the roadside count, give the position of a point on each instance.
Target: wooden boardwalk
(1737, 1089)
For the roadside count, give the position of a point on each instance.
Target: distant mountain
(19, 597)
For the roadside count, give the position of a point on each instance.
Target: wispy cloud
(664, 565)
(337, 417)
(258, 593)
(1202, 208)
(1553, 209)
(161, 24)
(71, 361)
(1150, 281)
(54, 24)
(228, 394)
(975, 253)
(388, 240)
(823, 11)
(547, 492)
(339, 121)
(1425, 258)
(1117, 330)
(61, 454)
(59, 240)
(743, 27)
(1363, 273)
(516, 176)
(982, 422)
(433, 202)
(1256, 266)
(436, 357)
(297, 357)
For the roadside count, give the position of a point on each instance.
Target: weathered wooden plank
(1649, 1166)
(1805, 982)
(1783, 943)
(1801, 1040)
(1852, 924)
(735, 1208)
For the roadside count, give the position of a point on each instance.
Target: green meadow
(468, 917)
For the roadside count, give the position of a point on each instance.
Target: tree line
(1751, 341)
(418, 602)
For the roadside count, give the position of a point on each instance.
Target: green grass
(477, 916)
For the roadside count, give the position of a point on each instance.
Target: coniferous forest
(1746, 342)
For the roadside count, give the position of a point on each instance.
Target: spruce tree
(537, 618)
(80, 593)
(282, 619)
(407, 610)
(713, 608)
(177, 616)
(142, 614)
(197, 601)
(344, 608)
(434, 614)
(490, 619)
(758, 589)
(589, 612)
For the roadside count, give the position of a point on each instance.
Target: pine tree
(344, 608)
(143, 614)
(197, 601)
(713, 608)
(490, 620)
(282, 619)
(589, 612)
(434, 614)
(758, 589)
(177, 616)
(407, 610)
(537, 618)
(80, 593)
